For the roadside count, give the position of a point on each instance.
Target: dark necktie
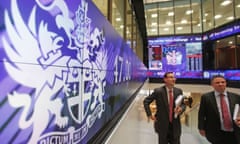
(225, 113)
(170, 105)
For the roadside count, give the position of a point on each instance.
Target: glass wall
(121, 15)
(196, 16)
(103, 6)
(237, 9)
(134, 35)
(118, 16)
(183, 17)
(166, 18)
(223, 12)
(207, 11)
(129, 25)
(189, 16)
(152, 19)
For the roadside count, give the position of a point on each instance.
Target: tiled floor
(134, 128)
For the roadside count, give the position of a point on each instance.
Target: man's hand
(202, 133)
(237, 121)
(152, 118)
(178, 110)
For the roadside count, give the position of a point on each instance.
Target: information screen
(179, 54)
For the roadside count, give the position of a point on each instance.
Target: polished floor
(133, 128)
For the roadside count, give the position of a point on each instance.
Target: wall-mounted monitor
(179, 54)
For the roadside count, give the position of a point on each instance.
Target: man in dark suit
(166, 120)
(213, 121)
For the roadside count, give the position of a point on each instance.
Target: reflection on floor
(134, 128)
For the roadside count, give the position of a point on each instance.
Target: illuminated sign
(223, 32)
(64, 71)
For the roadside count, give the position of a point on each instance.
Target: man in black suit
(213, 121)
(167, 125)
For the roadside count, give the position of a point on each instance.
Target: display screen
(179, 54)
(65, 72)
(228, 74)
(222, 32)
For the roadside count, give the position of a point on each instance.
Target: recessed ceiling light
(226, 2)
(153, 30)
(154, 24)
(188, 12)
(218, 16)
(171, 14)
(168, 22)
(166, 29)
(184, 21)
(154, 15)
(230, 18)
(118, 19)
(179, 28)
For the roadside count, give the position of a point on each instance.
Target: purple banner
(65, 72)
(222, 32)
(228, 74)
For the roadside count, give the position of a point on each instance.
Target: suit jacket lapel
(231, 103)
(165, 98)
(214, 103)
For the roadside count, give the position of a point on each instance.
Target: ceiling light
(238, 6)
(168, 22)
(166, 29)
(218, 16)
(154, 15)
(179, 28)
(188, 12)
(154, 24)
(118, 19)
(184, 21)
(226, 2)
(171, 14)
(206, 14)
(230, 18)
(152, 1)
(153, 30)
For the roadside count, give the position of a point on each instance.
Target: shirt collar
(217, 93)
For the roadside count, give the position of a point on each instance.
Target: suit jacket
(209, 117)
(162, 113)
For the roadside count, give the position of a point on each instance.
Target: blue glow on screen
(179, 54)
